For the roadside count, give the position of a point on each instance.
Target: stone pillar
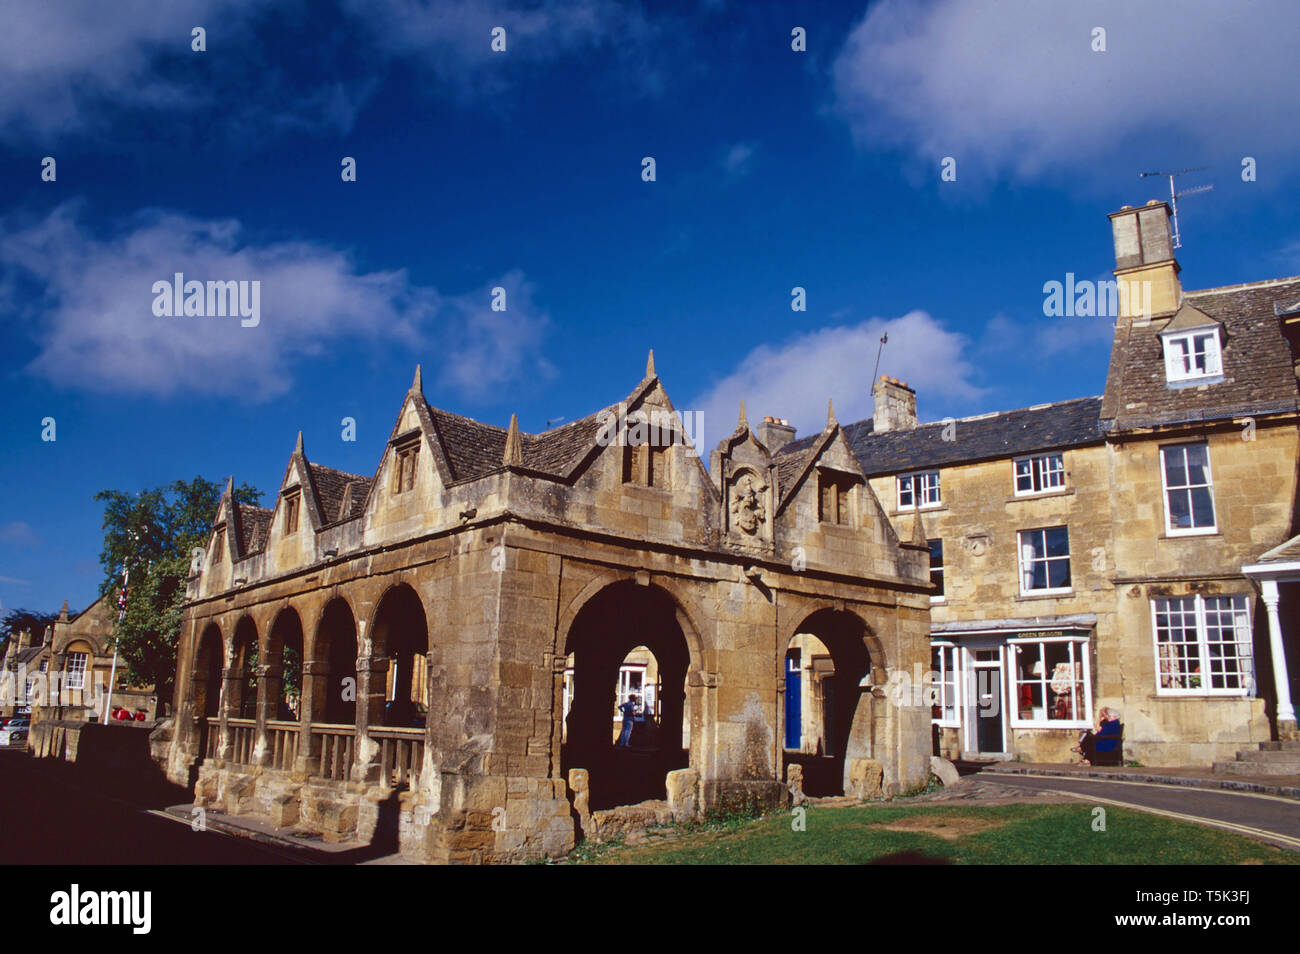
(1286, 720)
(315, 684)
(372, 674)
(231, 698)
(269, 678)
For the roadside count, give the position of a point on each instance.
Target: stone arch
(243, 655)
(205, 685)
(856, 653)
(333, 659)
(399, 633)
(283, 661)
(619, 617)
(688, 611)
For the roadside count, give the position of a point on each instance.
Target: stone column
(372, 673)
(315, 685)
(231, 699)
(1286, 721)
(269, 678)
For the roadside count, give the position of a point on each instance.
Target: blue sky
(522, 169)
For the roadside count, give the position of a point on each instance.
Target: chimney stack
(895, 406)
(775, 433)
(1146, 271)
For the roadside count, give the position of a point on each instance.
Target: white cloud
(19, 533)
(93, 322)
(70, 65)
(1016, 86)
(61, 62)
(737, 160)
(794, 380)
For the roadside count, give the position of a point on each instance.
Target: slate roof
(30, 653)
(254, 522)
(1044, 427)
(1288, 552)
(331, 486)
(1257, 371)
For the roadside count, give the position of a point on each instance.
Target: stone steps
(1266, 758)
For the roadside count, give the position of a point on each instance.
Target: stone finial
(650, 365)
(918, 530)
(830, 413)
(297, 448)
(514, 455)
(418, 383)
(230, 486)
(743, 421)
(63, 613)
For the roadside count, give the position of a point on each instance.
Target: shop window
(1203, 646)
(1051, 682)
(944, 707)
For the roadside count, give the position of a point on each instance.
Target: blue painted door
(793, 704)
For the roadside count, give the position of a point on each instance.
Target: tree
(151, 534)
(16, 621)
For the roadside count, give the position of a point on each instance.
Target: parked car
(14, 730)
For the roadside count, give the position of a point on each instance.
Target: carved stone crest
(748, 503)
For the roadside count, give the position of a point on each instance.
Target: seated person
(1102, 745)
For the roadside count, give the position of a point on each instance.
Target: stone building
(1101, 551)
(64, 674)
(422, 621)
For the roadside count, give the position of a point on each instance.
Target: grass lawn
(996, 835)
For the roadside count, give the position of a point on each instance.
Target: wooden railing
(337, 746)
(283, 739)
(214, 738)
(243, 737)
(401, 755)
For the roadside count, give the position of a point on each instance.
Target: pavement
(1270, 818)
(1280, 786)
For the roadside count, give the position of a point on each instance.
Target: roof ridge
(1262, 283)
(335, 470)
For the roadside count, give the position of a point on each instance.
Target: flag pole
(112, 673)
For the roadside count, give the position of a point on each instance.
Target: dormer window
(219, 545)
(405, 457)
(836, 492)
(646, 445)
(1193, 356)
(291, 503)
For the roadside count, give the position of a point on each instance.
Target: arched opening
(334, 699)
(284, 653)
(825, 664)
(625, 633)
(205, 682)
(401, 636)
(243, 666)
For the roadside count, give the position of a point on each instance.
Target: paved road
(1276, 820)
(51, 816)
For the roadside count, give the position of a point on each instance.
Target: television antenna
(1175, 195)
(883, 339)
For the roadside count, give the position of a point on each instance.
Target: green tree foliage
(151, 534)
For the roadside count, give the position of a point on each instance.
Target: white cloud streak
(94, 327)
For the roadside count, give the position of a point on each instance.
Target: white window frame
(942, 570)
(1181, 365)
(1080, 653)
(1025, 560)
(74, 676)
(947, 682)
(1039, 473)
(1244, 639)
(919, 485)
(1170, 529)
